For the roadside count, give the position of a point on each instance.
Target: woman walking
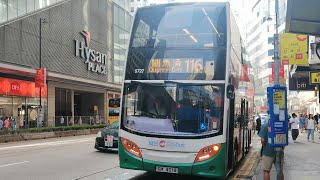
(310, 125)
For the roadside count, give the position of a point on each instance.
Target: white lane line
(48, 143)
(1, 166)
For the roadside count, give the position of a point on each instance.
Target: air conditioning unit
(314, 50)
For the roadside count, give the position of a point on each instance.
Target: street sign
(278, 125)
(314, 77)
(294, 48)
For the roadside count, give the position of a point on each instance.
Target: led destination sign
(181, 65)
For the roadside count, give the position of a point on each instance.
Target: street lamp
(279, 150)
(41, 21)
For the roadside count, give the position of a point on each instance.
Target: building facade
(259, 32)
(78, 51)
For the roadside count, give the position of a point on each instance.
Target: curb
(45, 135)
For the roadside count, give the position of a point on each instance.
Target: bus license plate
(167, 169)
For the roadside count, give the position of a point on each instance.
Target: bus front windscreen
(173, 109)
(185, 42)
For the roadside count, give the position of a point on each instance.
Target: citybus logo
(95, 60)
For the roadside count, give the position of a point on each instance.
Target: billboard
(294, 49)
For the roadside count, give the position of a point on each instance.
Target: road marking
(6, 165)
(48, 143)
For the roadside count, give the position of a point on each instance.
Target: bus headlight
(99, 134)
(131, 147)
(207, 152)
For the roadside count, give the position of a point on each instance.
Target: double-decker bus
(183, 108)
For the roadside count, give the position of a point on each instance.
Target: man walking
(268, 154)
(294, 121)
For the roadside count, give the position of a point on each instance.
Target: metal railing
(17, 122)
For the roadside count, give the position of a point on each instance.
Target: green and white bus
(184, 104)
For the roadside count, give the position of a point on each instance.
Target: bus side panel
(127, 160)
(214, 167)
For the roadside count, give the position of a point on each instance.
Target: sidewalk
(301, 160)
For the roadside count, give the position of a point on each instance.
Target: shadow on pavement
(163, 176)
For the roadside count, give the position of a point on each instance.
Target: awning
(303, 17)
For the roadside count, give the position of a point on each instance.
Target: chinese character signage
(183, 65)
(40, 79)
(294, 49)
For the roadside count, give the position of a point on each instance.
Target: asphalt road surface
(70, 158)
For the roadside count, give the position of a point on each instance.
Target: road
(69, 158)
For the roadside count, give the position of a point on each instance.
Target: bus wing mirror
(230, 92)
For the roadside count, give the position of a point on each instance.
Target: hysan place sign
(96, 61)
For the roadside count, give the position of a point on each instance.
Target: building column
(51, 104)
(72, 104)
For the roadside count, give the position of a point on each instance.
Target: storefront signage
(40, 79)
(14, 87)
(300, 84)
(96, 61)
(315, 77)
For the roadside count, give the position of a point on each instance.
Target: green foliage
(50, 129)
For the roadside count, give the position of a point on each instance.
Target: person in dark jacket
(258, 123)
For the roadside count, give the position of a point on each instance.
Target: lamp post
(41, 21)
(279, 150)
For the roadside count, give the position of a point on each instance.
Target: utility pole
(279, 150)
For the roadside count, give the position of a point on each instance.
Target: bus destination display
(181, 65)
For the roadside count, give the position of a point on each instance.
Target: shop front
(20, 100)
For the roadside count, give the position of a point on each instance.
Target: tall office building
(260, 30)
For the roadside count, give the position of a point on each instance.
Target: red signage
(251, 92)
(245, 74)
(40, 78)
(281, 73)
(14, 87)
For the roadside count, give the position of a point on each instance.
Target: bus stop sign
(278, 124)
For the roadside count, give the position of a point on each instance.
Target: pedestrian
(61, 120)
(258, 124)
(268, 154)
(302, 122)
(294, 121)
(12, 123)
(6, 123)
(1, 123)
(316, 118)
(310, 125)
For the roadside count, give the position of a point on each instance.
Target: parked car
(107, 138)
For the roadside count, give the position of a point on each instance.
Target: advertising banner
(294, 49)
(40, 79)
(281, 72)
(15, 87)
(278, 125)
